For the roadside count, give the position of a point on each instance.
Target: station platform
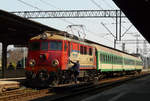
(135, 90)
(13, 73)
(10, 83)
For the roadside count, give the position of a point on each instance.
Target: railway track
(80, 93)
(66, 94)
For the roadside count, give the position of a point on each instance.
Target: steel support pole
(120, 27)
(116, 30)
(4, 58)
(114, 43)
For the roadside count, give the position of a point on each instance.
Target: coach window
(55, 45)
(107, 58)
(44, 45)
(119, 60)
(115, 59)
(100, 57)
(110, 58)
(103, 58)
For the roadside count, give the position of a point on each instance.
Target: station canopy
(17, 30)
(137, 12)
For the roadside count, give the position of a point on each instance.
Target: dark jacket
(76, 66)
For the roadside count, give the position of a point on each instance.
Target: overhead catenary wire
(105, 1)
(99, 6)
(25, 3)
(51, 5)
(47, 3)
(126, 29)
(95, 3)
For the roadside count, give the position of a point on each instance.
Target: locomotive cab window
(55, 45)
(34, 46)
(44, 45)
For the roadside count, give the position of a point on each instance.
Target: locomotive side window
(81, 50)
(55, 45)
(34, 46)
(44, 45)
(85, 50)
(90, 51)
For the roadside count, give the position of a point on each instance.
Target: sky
(93, 28)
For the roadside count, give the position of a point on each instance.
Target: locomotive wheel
(55, 83)
(86, 79)
(43, 76)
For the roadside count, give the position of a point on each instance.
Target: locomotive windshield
(44, 45)
(55, 45)
(34, 46)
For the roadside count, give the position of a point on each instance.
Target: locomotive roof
(70, 37)
(61, 37)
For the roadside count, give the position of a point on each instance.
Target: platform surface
(9, 83)
(136, 90)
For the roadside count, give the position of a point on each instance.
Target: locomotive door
(65, 55)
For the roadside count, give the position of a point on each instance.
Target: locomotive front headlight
(55, 63)
(32, 63)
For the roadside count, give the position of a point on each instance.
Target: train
(49, 54)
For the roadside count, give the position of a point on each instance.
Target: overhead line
(29, 4)
(51, 5)
(58, 8)
(96, 4)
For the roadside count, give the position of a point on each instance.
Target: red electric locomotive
(49, 54)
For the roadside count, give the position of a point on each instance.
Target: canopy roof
(138, 13)
(17, 30)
